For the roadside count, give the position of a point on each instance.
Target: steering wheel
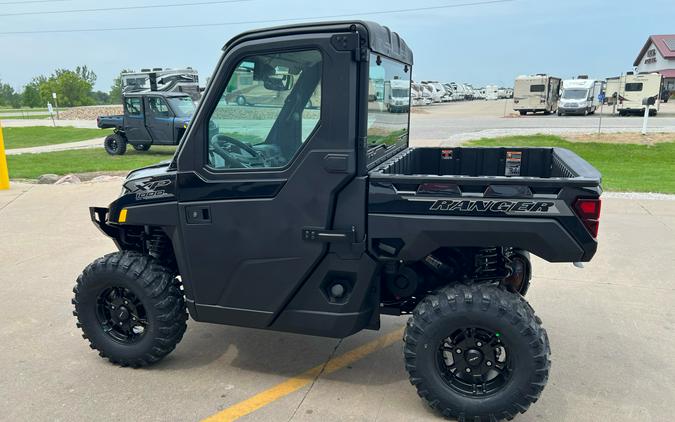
(218, 143)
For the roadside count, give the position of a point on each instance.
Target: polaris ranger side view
(321, 220)
(157, 118)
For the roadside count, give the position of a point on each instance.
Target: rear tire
(130, 308)
(522, 112)
(115, 144)
(241, 100)
(142, 147)
(463, 389)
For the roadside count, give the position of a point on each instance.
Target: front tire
(476, 353)
(130, 308)
(115, 144)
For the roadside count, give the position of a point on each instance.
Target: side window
(133, 106)
(634, 87)
(537, 88)
(158, 107)
(268, 110)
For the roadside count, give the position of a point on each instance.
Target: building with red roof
(658, 55)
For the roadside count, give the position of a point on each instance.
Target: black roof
(380, 38)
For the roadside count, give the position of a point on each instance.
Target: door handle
(198, 214)
(336, 163)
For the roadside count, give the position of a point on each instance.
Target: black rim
(121, 315)
(112, 144)
(475, 361)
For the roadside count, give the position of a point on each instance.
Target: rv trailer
(491, 92)
(163, 80)
(535, 93)
(580, 96)
(627, 92)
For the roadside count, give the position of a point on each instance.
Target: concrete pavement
(89, 143)
(611, 329)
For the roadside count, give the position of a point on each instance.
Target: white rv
(397, 95)
(167, 80)
(416, 94)
(534, 93)
(627, 92)
(580, 96)
(437, 90)
(491, 92)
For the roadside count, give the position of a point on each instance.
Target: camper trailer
(491, 92)
(627, 93)
(535, 93)
(580, 96)
(397, 95)
(163, 80)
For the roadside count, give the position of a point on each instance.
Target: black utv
(321, 220)
(157, 118)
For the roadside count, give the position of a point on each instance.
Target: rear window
(537, 88)
(634, 87)
(133, 106)
(388, 102)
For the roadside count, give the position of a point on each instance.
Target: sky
(487, 43)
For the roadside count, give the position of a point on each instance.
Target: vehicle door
(257, 184)
(134, 120)
(159, 121)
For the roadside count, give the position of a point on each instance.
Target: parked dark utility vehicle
(157, 118)
(321, 220)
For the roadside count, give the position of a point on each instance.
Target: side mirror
(278, 83)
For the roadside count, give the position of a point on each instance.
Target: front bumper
(99, 216)
(572, 110)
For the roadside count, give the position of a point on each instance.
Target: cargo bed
(517, 197)
(509, 165)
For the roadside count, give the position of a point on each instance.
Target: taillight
(589, 211)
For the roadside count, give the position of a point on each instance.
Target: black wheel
(130, 308)
(547, 112)
(522, 112)
(142, 147)
(652, 112)
(476, 353)
(241, 100)
(115, 144)
(560, 113)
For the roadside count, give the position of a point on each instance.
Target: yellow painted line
(291, 385)
(4, 171)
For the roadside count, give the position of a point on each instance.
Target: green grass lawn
(34, 136)
(31, 166)
(624, 167)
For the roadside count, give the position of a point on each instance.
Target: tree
(8, 97)
(86, 74)
(31, 95)
(116, 88)
(70, 86)
(100, 97)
